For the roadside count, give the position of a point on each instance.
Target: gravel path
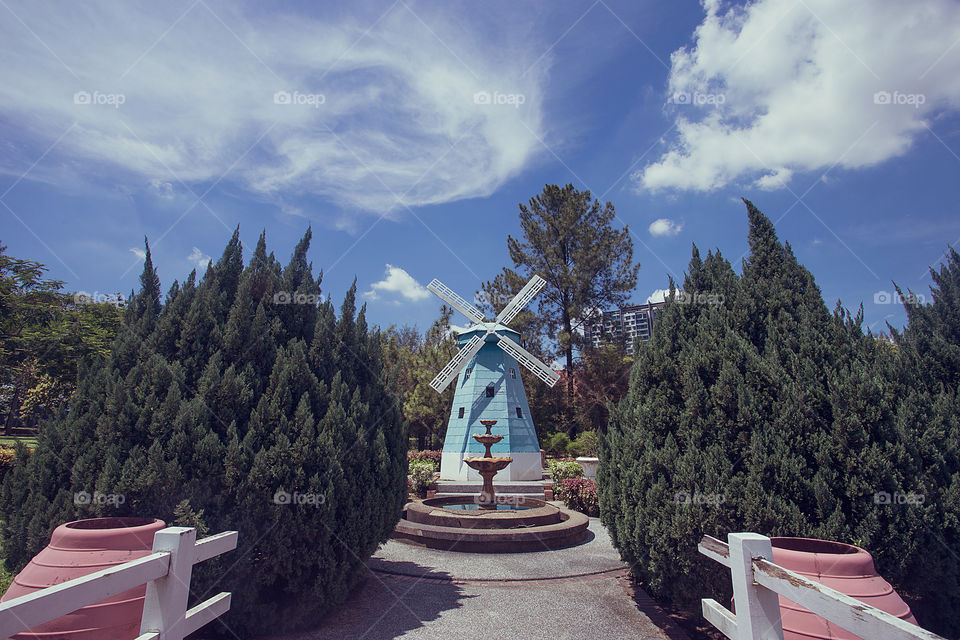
(425, 594)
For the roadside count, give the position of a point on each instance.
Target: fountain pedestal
(487, 466)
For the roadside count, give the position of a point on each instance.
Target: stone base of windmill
(525, 467)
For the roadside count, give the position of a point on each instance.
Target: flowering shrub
(7, 457)
(433, 456)
(580, 494)
(561, 470)
(421, 475)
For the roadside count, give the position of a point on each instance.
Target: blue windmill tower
(489, 387)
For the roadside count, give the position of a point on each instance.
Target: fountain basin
(540, 527)
(488, 464)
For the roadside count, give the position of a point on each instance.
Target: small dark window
(519, 412)
(467, 377)
(490, 390)
(513, 372)
(460, 413)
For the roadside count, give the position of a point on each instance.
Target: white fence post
(757, 608)
(165, 605)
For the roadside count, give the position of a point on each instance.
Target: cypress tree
(209, 407)
(786, 420)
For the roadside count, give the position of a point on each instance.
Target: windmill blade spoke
(449, 296)
(525, 295)
(453, 367)
(528, 360)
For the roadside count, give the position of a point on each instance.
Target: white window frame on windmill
(495, 347)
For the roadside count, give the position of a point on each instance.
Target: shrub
(791, 422)
(580, 494)
(433, 456)
(560, 471)
(421, 475)
(217, 408)
(7, 457)
(586, 444)
(557, 443)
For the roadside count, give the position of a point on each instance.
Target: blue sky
(406, 134)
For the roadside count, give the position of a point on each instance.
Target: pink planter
(80, 548)
(843, 567)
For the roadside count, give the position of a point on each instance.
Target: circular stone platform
(539, 526)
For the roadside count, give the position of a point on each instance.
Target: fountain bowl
(488, 464)
(539, 527)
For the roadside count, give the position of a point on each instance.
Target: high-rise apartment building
(629, 323)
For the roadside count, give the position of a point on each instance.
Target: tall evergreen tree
(753, 408)
(569, 240)
(208, 408)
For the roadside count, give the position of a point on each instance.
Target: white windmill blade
(528, 360)
(525, 295)
(453, 367)
(449, 296)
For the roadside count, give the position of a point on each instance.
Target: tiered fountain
(485, 523)
(487, 466)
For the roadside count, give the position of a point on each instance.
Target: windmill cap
(480, 329)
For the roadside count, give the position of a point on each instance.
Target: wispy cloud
(780, 86)
(399, 282)
(357, 114)
(140, 253)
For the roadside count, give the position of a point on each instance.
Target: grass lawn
(8, 441)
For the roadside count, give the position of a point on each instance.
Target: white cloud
(779, 87)
(199, 258)
(398, 281)
(140, 253)
(456, 329)
(665, 227)
(397, 117)
(162, 189)
(658, 295)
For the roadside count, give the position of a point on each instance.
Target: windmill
(489, 387)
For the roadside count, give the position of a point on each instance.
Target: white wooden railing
(757, 581)
(166, 572)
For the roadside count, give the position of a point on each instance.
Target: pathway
(424, 594)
